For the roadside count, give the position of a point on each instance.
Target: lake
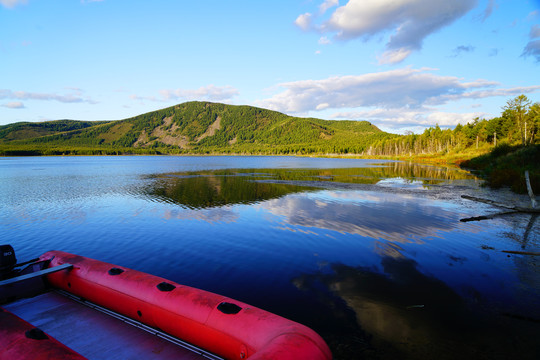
(371, 254)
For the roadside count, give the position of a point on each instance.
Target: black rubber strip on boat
(36, 334)
(115, 271)
(229, 308)
(165, 286)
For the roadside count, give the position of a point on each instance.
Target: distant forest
(519, 123)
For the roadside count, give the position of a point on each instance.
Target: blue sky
(400, 64)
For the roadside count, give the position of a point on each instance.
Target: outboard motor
(12, 283)
(7, 259)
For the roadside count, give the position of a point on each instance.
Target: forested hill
(192, 127)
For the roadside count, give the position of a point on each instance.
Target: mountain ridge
(194, 127)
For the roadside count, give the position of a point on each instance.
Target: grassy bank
(505, 165)
(501, 166)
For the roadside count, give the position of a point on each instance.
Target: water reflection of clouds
(402, 183)
(212, 215)
(366, 196)
(388, 249)
(391, 217)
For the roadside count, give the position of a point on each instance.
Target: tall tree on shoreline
(518, 107)
(534, 120)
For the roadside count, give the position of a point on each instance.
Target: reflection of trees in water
(526, 233)
(403, 313)
(528, 230)
(530, 241)
(366, 175)
(215, 188)
(424, 172)
(207, 190)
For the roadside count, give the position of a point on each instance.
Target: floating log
(487, 201)
(521, 252)
(488, 217)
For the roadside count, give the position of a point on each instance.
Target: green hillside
(28, 130)
(192, 127)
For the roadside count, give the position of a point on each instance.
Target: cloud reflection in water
(377, 215)
(212, 215)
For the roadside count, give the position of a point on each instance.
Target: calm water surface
(370, 254)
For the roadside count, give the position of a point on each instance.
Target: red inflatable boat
(210, 326)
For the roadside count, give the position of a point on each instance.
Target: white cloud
(14, 105)
(142, 98)
(394, 56)
(74, 89)
(409, 21)
(12, 3)
(485, 93)
(327, 4)
(450, 119)
(322, 106)
(406, 87)
(74, 97)
(405, 118)
(324, 41)
(396, 99)
(209, 92)
(303, 21)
